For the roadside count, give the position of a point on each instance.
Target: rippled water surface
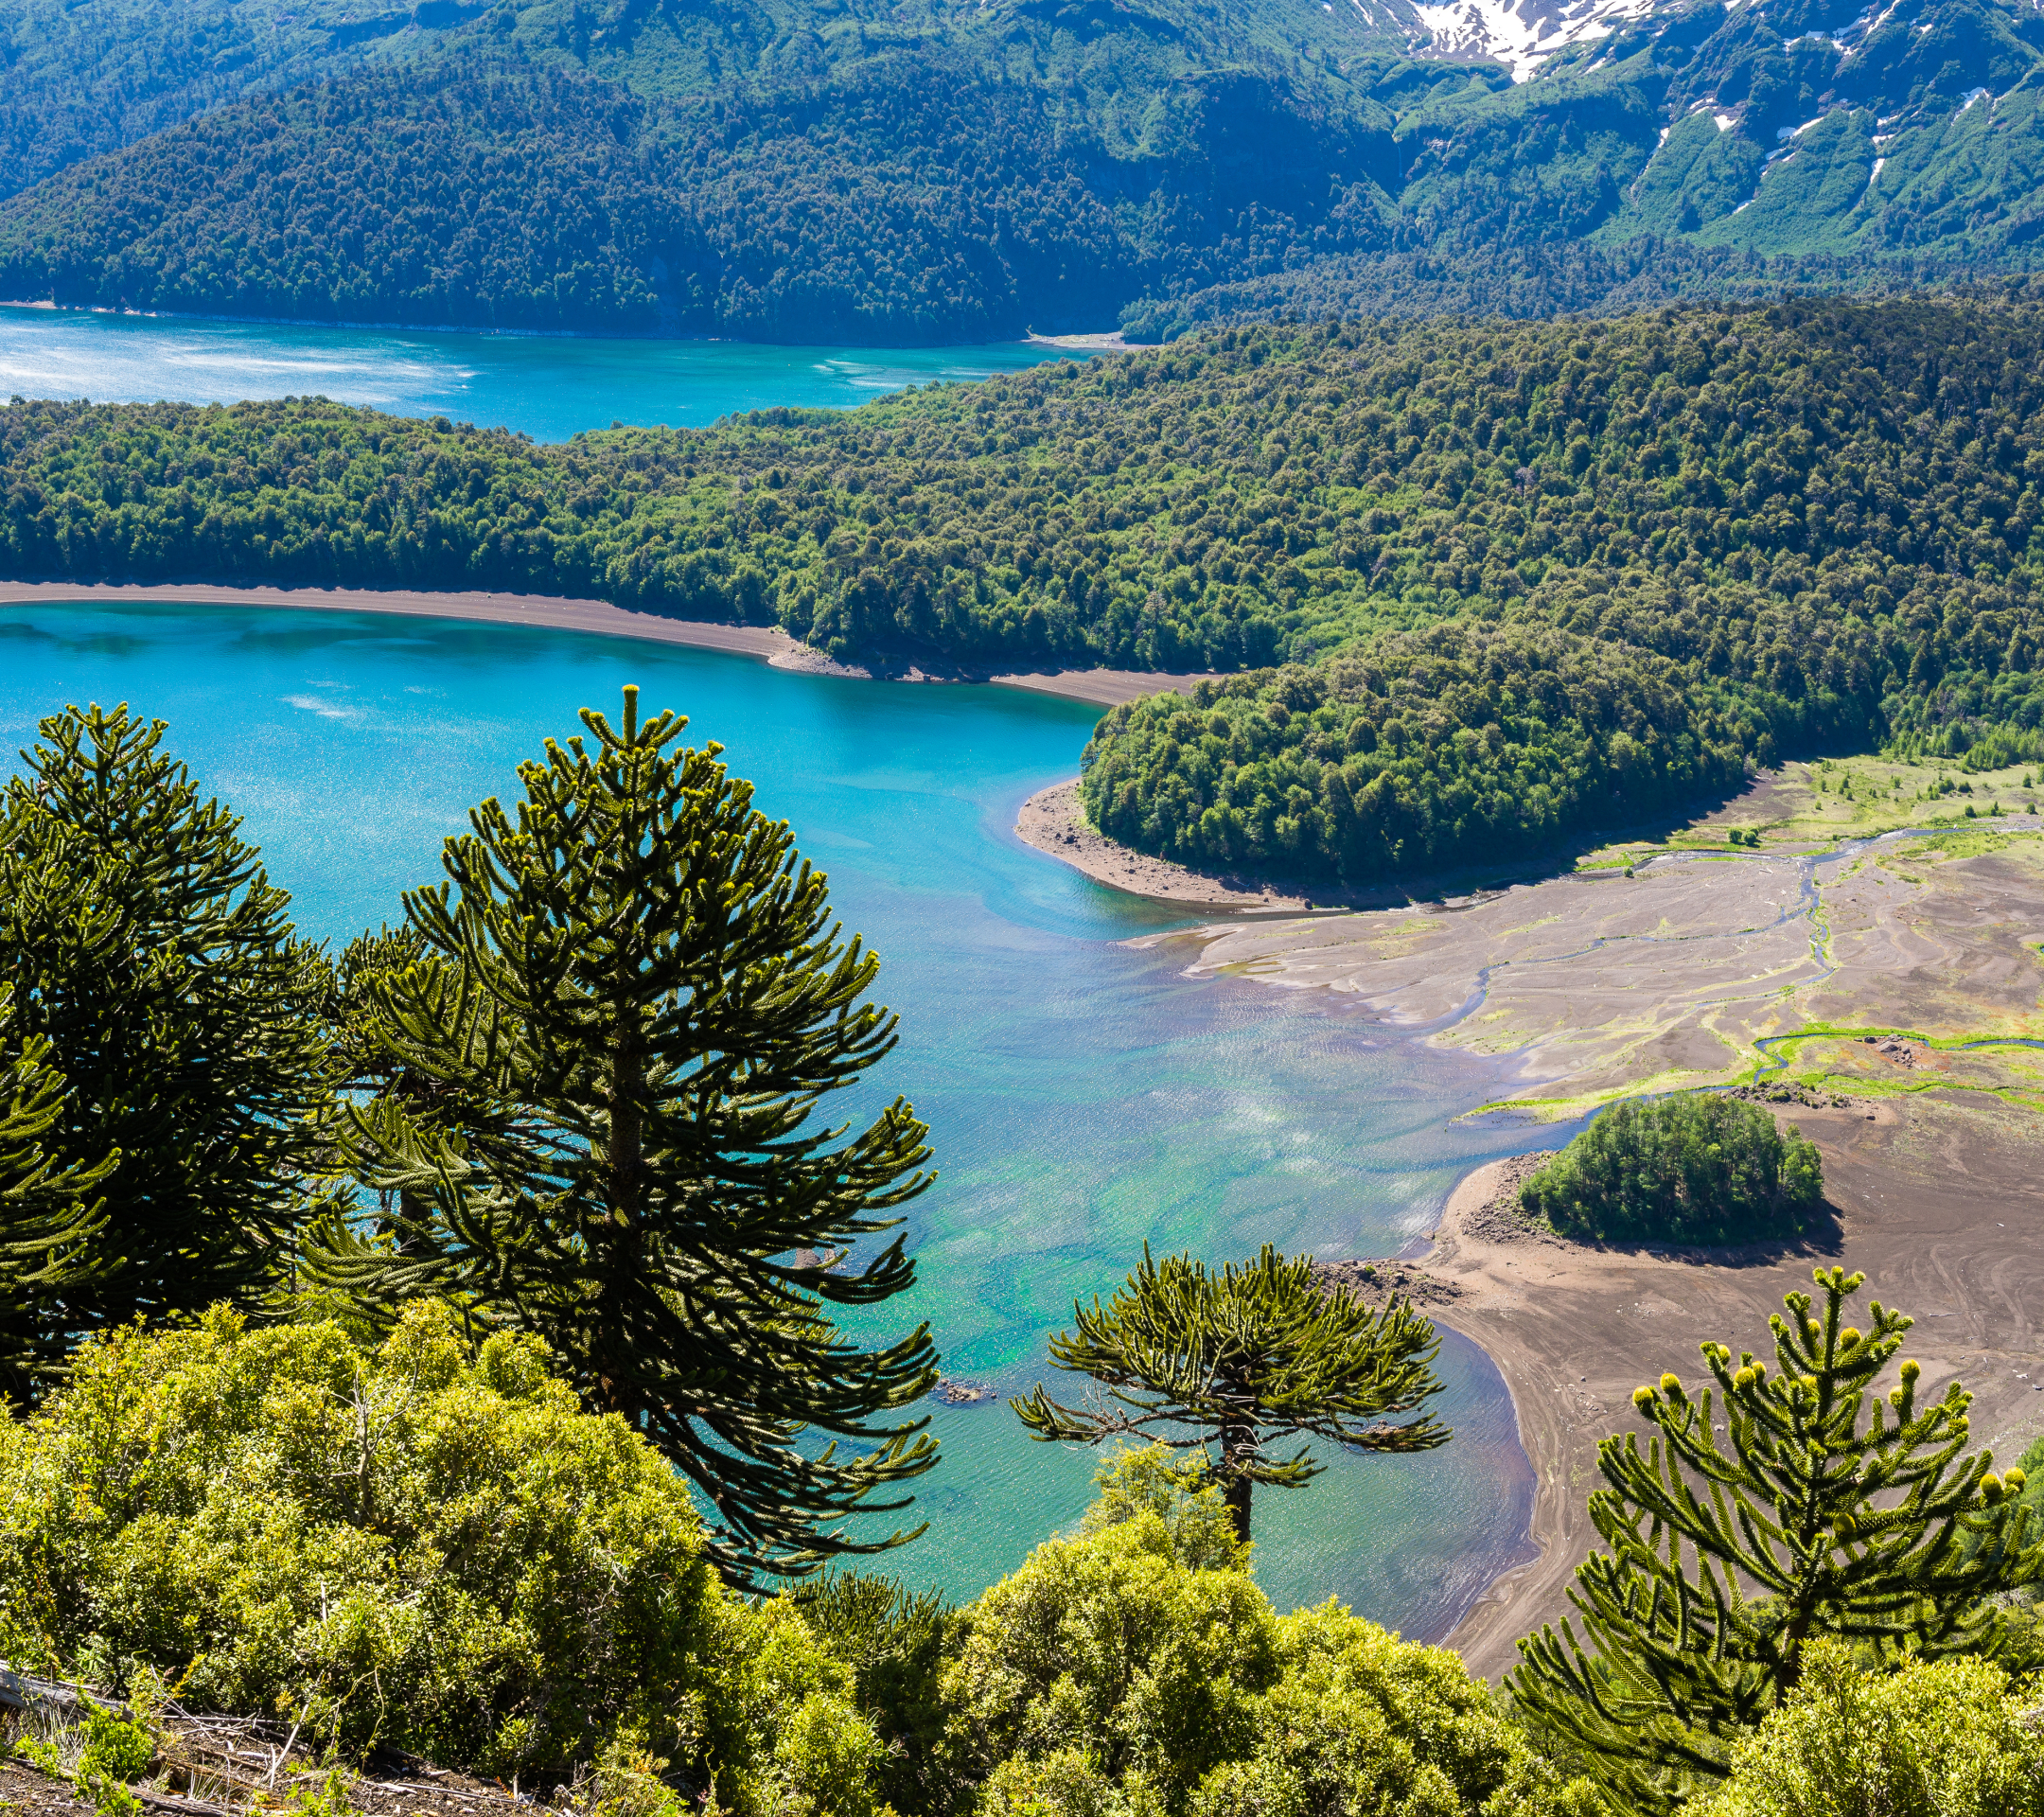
(548, 386)
(1084, 1096)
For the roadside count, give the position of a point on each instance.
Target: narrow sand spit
(1103, 687)
(1937, 1203)
(1053, 821)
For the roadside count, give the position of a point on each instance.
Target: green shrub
(421, 1543)
(894, 1640)
(1136, 1670)
(1949, 1740)
(100, 1758)
(1693, 1168)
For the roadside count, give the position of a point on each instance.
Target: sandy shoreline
(1054, 823)
(1933, 1201)
(770, 645)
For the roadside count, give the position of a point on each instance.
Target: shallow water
(549, 387)
(1084, 1096)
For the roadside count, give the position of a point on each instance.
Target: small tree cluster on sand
(1692, 1168)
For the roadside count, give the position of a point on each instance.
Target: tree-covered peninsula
(1479, 585)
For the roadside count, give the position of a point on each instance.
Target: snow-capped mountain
(1521, 34)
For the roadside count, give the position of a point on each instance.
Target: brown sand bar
(1937, 1203)
(1103, 687)
(1053, 821)
(1592, 985)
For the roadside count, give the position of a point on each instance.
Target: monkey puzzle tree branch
(1258, 1352)
(631, 1005)
(1768, 1512)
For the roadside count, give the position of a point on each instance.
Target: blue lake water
(1083, 1095)
(550, 387)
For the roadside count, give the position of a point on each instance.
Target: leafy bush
(1949, 1740)
(894, 1640)
(1692, 1168)
(1136, 1669)
(419, 1543)
(99, 1757)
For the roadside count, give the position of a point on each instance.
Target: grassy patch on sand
(1810, 806)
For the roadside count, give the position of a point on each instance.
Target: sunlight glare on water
(549, 387)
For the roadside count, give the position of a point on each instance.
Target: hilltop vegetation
(924, 175)
(1490, 584)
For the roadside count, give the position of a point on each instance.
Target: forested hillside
(1527, 579)
(920, 176)
(894, 209)
(77, 81)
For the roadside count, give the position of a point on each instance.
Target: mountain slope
(916, 202)
(817, 171)
(77, 81)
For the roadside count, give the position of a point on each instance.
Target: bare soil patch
(1380, 1281)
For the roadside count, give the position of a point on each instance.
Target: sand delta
(1692, 972)
(1593, 984)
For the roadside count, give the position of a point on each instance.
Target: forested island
(1482, 584)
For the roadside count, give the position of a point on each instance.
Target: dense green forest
(892, 208)
(818, 173)
(77, 81)
(1489, 583)
(1693, 1167)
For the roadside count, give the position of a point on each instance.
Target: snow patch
(1523, 34)
(1797, 131)
(1973, 95)
(1874, 175)
(1725, 121)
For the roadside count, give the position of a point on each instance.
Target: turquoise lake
(1083, 1095)
(549, 387)
(1085, 1098)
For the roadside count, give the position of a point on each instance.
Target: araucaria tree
(49, 1215)
(631, 1001)
(152, 965)
(1784, 1507)
(1232, 1362)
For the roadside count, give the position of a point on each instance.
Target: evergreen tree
(1695, 1166)
(50, 1225)
(630, 1003)
(1819, 1510)
(147, 947)
(1260, 1351)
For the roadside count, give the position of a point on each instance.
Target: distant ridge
(921, 177)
